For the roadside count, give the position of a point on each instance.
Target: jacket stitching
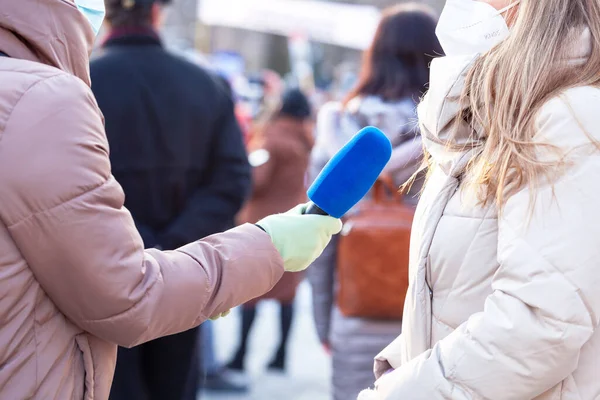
(484, 217)
(576, 291)
(37, 360)
(467, 251)
(452, 378)
(31, 87)
(72, 199)
(209, 282)
(93, 366)
(105, 183)
(17, 103)
(452, 375)
(107, 180)
(440, 321)
(133, 306)
(141, 301)
(432, 212)
(207, 285)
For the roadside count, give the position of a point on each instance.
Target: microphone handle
(315, 210)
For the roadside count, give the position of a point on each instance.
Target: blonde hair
(508, 85)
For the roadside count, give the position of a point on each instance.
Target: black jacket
(176, 147)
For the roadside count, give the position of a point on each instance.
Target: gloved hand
(223, 315)
(300, 238)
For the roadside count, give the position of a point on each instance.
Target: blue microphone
(350, 174)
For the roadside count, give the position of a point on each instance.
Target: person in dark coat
(178, 152)
(280, 154)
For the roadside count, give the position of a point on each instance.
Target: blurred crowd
(200, 145)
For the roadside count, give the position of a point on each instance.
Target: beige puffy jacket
(503, 308)
(75, 280)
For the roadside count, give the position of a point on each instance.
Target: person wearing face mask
(503, 300)
(76, 280)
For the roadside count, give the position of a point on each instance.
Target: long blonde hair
(508, 85)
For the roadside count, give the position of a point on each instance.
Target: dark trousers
(248, 316)
(163, 369)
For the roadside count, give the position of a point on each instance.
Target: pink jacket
(75, 279)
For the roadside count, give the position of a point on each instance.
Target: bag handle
(384, 190)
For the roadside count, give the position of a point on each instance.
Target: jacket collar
(447, 141)
(132, 36)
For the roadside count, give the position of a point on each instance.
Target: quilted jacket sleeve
(65, 212)
(545, 304)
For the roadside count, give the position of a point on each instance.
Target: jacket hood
(450, 144)
(445, 140)
(51, 32)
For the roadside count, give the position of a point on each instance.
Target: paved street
(308, 374)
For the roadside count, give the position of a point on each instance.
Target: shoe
(278, 363)
(237, 364)
(220, 383)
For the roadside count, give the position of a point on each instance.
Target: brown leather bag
(373, 251)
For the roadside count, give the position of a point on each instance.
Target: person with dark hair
(394, 74)
(279, 154)
(179, 155)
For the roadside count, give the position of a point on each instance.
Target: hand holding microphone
(302, 234)
(298, 237)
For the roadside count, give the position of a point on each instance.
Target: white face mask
(470, 27)
(94, 11)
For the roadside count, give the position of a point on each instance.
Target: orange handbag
(373, 253)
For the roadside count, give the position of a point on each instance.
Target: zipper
(428, 277)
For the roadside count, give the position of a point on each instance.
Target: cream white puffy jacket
(509, 307)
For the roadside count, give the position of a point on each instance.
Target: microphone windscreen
(351, 173)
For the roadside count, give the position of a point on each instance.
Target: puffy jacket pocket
(86, 351)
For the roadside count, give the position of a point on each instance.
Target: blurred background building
(330, 41)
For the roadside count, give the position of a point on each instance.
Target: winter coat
(76, 281)
(355, 341)
(280, 152)
(176, 147)
(503, 307)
